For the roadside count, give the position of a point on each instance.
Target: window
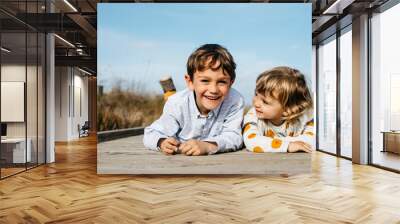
(327, 95)
(346, 92)
(385, 88)
(22, 68)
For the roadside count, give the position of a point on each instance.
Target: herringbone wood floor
(70, 191)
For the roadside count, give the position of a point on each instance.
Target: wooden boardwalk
(129, 156)
(70, 191)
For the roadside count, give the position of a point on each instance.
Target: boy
(206, 117)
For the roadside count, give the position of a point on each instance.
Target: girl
(281, 119)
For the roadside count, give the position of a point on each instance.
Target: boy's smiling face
(210, 87)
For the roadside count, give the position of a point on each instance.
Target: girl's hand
(299, 146)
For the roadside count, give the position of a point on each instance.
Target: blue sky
(142, 43)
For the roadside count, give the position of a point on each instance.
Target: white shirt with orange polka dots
(263, 136)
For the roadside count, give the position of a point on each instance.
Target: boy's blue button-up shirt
(182, 120)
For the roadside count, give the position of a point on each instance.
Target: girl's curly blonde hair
(289, 87)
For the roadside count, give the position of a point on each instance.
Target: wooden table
(13, 150)
(391, 141)
(129, 156)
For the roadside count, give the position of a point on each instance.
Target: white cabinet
(15, 148)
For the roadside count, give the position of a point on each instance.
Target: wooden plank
(129, 156)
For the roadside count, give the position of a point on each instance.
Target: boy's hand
(169, 145)
(299, 146)
(196, 148)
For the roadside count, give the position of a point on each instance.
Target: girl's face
(268, 108)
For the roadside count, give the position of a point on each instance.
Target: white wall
(81, 94)
(70, 84)
(12, 73)
(33, 126)
(62, 82)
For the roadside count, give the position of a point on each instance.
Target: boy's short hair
(289, 87)
(199, 60)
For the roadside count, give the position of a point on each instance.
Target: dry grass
(127, 108)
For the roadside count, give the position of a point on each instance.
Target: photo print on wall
(177, 81)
